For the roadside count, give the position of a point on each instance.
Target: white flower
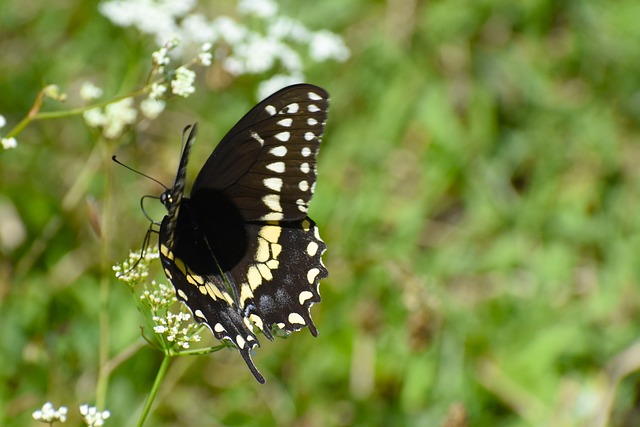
(49, 414)
(261, 8)
(117, 116)
(182, 84)
(155, 17)
(327, 45)
(283, 27)
(151, 107)
(94, 117)
(89, 91)
(8, 143)
(205, 57)
(160, 59)
(229, 30)
(277, 82)
(114, 119)
(171, 326)
(53, 92)
(92, 416)
(3, 121)
(199, 29)
(157, 90)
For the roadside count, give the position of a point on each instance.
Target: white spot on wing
(255, 136)
(308, 136)
(182, 295)
(240, 341)
(311, 121)
(257, 320)
(306, 151)
(304, 296)
(295, 318)
(274, 184)
(312, 248)
(276, 167)
(292, 108)
(218, 328)
(273, 202)
(313, 108)
(279, 151)
(200, 314)
(270, 109)
(283, 136)
(305, 168)
(286, 122)
(312, 274)
(303, 185)
(314, 96)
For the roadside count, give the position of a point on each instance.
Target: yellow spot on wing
(270, 232)
(265, 272)
(275, 250)
(166, 252)
(254, 277)
(262, 253)
(245, 293)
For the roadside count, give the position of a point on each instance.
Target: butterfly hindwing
(241, 251)
(192, 269)
(280, 274)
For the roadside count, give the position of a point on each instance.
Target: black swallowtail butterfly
(241, 250)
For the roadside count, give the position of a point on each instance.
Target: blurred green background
(478, 186)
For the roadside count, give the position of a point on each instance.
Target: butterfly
(241, 251)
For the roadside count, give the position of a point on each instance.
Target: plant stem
(162, 371)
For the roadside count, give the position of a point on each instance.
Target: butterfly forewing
(241, 250)
(277, 144)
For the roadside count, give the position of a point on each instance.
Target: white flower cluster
(136, 268)
(89, 92)
(272, 42)
(171, 327)
(48, 414)
(7, 143)
(159, 296)
(92, 416)
(113, 119)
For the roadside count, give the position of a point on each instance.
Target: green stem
(162, 371)
(34, 115)
(105, 281)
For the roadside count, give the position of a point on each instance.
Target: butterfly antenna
(138, 172)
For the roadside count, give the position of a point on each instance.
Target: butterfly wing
(266, 163)
(202, 284)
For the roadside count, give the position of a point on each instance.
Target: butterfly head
(167, 199)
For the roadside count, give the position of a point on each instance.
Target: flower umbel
(114, 119)
(92, 416)
(182, 84)
(49, 414)
(171, 327)
(136, 268)
(89, 91)
(258, 39)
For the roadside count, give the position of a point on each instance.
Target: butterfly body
(241, 250)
